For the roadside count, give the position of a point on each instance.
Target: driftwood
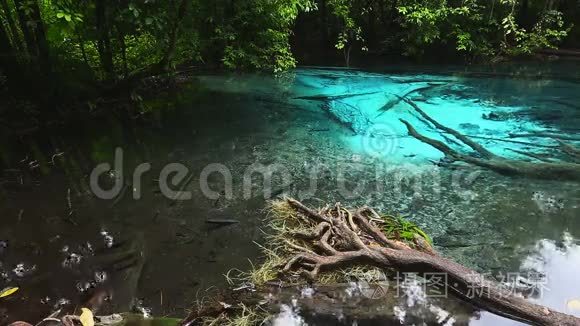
(540, 170)
(335, 238)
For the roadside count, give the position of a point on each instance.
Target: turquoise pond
(328, 135)
(370, 105)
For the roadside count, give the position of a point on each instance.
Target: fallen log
(540, 170)
(311, 244)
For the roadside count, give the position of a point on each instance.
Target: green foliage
(399, 228)
(433, 21)
(350, 32)
(257, 35)
(546, 33)
(477, 28)
(87, 42)
(245, 34)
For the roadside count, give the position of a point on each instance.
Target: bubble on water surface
(61, 303)
(101, 276)
(288, 317)
(21, 270)
(71, 260)
(107, 239)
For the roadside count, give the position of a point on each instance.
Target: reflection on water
(411, 305)
(559, 262)
(57, 240)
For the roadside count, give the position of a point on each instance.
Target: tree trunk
(173, 34)
(104, 41)
(347, 50)
(523, 15)
(7, 59)
(82, 46)
(24, 20)
(324, 24)
(123, 45)
(41, 42)
(11, 24)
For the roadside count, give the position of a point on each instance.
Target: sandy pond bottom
(322, 147)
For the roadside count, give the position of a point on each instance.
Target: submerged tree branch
(466, 140)
(539, 170)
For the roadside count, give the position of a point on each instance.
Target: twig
(545, 135)
(532, 155)
(60, 154)
(69, 202)
(70, 217)
(512, 141)
(221, 221)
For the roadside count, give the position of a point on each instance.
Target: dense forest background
(82, 48)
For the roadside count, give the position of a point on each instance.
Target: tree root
(334, 239)
(340, 243)
(544, 169)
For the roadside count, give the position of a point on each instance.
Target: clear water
(303, 124)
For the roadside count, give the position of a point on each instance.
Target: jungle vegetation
(59, 49)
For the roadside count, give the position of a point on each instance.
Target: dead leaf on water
(8, 291)
(86, 317)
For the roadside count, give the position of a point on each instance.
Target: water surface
(341, 127)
